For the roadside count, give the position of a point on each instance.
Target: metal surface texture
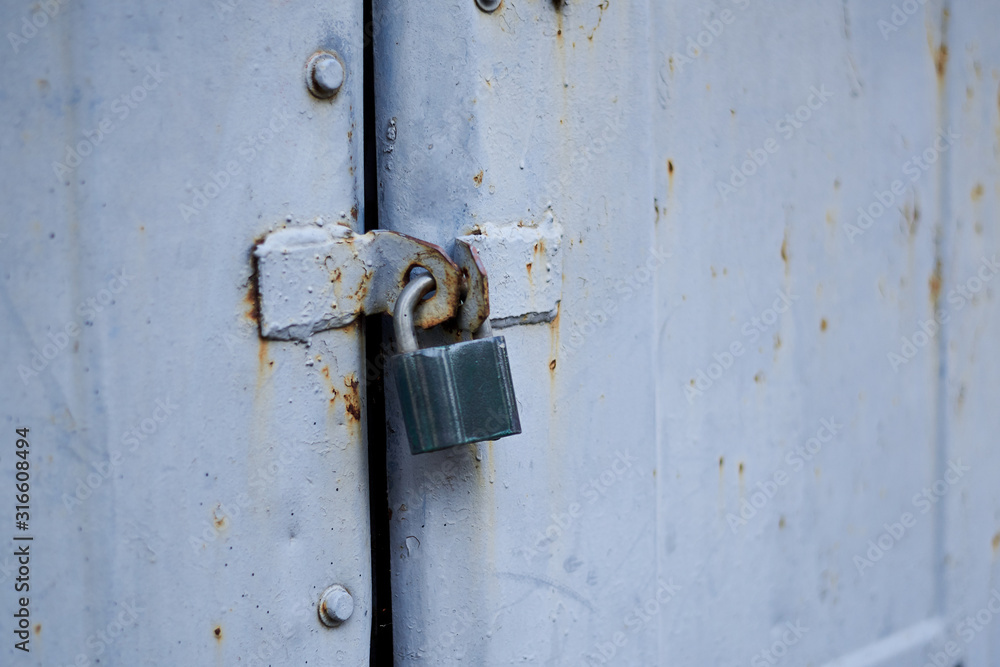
(755, 410)
(525, 261)
(195, 488)
(317, 277)
(475, 308)
(744, 255)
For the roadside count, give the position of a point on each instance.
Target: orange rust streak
(934, 282)
(352, 398)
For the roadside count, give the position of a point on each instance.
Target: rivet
(324, 74)
(488, 6)
(335, 606)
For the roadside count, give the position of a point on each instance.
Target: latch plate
(315, 278)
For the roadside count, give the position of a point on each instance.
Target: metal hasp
(455, 394)
(323, 277)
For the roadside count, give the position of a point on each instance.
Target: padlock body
(456, 394)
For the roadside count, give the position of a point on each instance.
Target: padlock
(454, 394)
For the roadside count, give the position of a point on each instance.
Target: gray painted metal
(746, 438)
(195, 488)
(314, 278)
(757, 377)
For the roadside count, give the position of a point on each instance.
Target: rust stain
(554, 353)
(252, 296)
(777, 342)
(941, 58)
(822, 324)
(352, 399)
(670, 184)
(603, 7)
(354, 211)
(759, 377)
(977, 192)
(784, 249)
(781, 523)
(218, 633)
(219, 518)
(478, 178)
(996, 545)
(38, 628)
(262, 361)
(934, 282)
(722, 463)
(940, 54)
(325, 372)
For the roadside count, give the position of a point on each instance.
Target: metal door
(742, 254)
(756, 428)
(194, 488)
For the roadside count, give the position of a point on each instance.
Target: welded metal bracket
(315, 278)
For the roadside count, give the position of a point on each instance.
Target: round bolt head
(324, 74)
(488, 6)
(335, 606)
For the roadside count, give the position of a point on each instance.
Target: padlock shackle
(406, 304)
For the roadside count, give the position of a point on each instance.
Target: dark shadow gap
(381, 639)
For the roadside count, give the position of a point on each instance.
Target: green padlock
(454, 394)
